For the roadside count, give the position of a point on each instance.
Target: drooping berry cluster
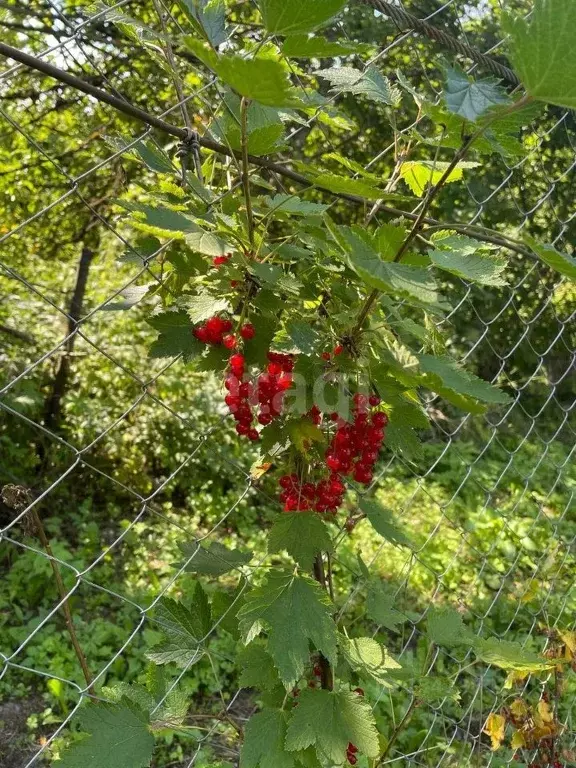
(238, 398)
(272, 384)
(214, 331)
(325, 496)
(355, 447)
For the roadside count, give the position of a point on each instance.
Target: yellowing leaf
(418, 174)
(518, 741)
(569, 640)
(495, 727)
(519, 708)
(515, 678)
(545, 712)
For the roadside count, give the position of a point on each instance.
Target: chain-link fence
(100, 444)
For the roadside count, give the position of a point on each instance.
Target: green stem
(326, 677)
(431, 196)
(245, 169)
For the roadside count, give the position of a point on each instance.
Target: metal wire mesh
(513, 444)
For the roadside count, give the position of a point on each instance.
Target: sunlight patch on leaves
(368, 658)
(418, 174)
(370, 83)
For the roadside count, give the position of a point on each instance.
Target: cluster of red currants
(323, 496)
(216, 331)
(238, 398)
(355, 447)
(272, 384)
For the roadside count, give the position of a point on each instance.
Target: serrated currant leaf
(257, 668)
(370, 83)
(331, 720)
(542, 51)
(295, 611)
(259, 78)
(380, 606)
(214, 559)
(434, 689)
(388, 239)
(317, 47)
(418, 174)
(561, 262)
(403, 440)
(208, 17)
(445, 627)
(303, 535)
(289, 17)
(507, 654)
(453, 254)
(471, 98)
(293, 204)
(304, 338)
(398, 279)
(175, 336)
(303, 434)
(224, 609)
(263, 745)
(118, 738)
(184, 629)
(154, 157)
(368, 658)
(203, 306)
(443, 372)
(129, 298)
(383, 522)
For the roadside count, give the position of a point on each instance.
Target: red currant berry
(229, 341)
(318, 670)
(338, 349)
(219, 260)
(325, 356)
(352, 759)
(333, 463)
(201, 334)
(248, 331)
(242, 428)
(237, 361)
(374, 400)
(380, 419)
(253, 434)
(274, 369)
(264, 419)
(352, 748)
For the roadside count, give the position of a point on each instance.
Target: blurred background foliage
(489, 504)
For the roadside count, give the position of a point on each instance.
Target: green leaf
(224, 609)
(302, 535)
(383, 522)
(294, 205)
(388, 239)
(296, 611)
(208, 17)
(445, 627)
(303, 433)
(434, 689)
(463, 257)
(274, 275)
(164, 219)
(542, 51)
(119, 738)
(559, 261)
(260, 78)
(380, 606)
(370, 83)
(183, 630)
(289, 17)
(397, 279)
(368, 658)
(404, 440)
(304, 338)
(214, 559)
(471, 98)
(510, 655)
(418, 174)
(175, 336)
(331, 720)
(444, 376)
(154, 157)
(345, 185)
(203, 306)
(257, 668)
(317, 47)
(263, 745)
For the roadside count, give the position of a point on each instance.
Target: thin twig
(244, 103)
